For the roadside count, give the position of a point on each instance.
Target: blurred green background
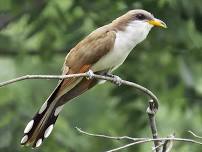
(36, 35)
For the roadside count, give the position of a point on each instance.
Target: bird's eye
(140, 16)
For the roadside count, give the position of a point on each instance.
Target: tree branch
(109, 137)
(151, 111)
(140, 140)
(96, 76)
(159, 139)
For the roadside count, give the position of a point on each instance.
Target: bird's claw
(90, 74)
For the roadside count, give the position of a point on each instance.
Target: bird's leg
(117, 80)
(90, 74)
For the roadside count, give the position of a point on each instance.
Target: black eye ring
(140, 16)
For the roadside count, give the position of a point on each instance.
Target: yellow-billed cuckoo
(102, 51)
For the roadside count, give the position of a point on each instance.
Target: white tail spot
(57, 110)
(29, 126)
(24, 139)
(38, 143)
(43, 107)
(48, 131)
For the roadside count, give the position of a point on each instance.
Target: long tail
(43, 122)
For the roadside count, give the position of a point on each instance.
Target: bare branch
(151, 140)
(102, 77)
(168, 141)
(26, 77)
(151, 111)
(109, 137)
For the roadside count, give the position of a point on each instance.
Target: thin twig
(27, 77)
(151, 140)
(197, 136)
(109, 137)
(102, 77)
(138, 140)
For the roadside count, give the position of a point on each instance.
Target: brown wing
(86, 53)
(91, 49)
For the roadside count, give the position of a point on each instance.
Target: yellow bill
(157, 22)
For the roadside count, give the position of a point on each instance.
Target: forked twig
(139, 140)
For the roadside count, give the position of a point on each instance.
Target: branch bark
(141, 140)
(151, 111)
(142, 89)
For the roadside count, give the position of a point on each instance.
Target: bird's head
(137, 23)
(144, 18)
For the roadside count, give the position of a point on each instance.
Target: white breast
(125, 41)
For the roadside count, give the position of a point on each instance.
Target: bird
(101, 52)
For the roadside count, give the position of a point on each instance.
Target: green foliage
(36, 35)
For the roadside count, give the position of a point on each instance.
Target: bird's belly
(112, 60)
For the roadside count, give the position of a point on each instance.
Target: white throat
(134, 33)
(125, 41)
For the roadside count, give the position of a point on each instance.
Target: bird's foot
(117, 80)
(90, 74)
